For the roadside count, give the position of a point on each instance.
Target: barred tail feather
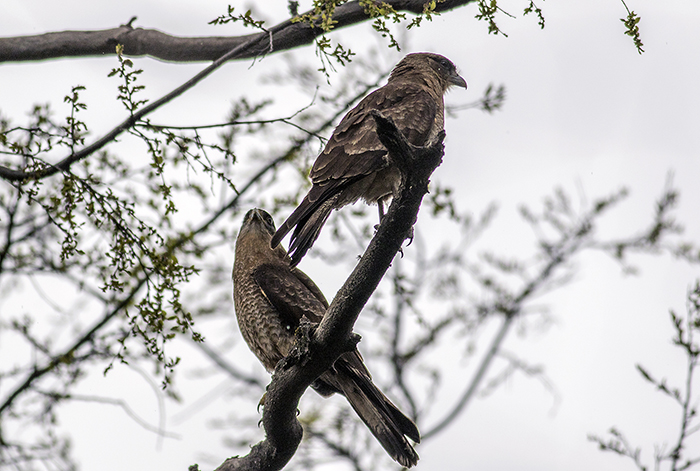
(386, 422)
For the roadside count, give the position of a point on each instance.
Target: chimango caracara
(354, 163)
(271, 297)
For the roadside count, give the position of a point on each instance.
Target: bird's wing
(288, 294)
(354, 149)
(309, 283)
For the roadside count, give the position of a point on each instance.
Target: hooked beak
(457, 80)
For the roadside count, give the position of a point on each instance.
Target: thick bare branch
(136, 42)
(154, 43)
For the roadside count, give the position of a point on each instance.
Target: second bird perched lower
(354, 163)
(272, 298)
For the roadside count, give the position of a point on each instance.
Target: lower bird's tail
(386, 422)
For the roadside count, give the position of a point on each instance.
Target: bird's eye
(443, 63)
(269, 221)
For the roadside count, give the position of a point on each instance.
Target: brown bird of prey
(271, 298)
(354, 163)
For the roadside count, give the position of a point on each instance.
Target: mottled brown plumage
(354, 163)
(271, 297)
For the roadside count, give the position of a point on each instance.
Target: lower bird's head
(258, 220)
(255, 235)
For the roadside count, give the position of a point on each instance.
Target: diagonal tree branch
(316, 351)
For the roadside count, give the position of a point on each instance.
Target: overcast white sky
(583, 110)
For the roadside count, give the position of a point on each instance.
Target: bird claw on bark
(409, 237)
(353, 340)
(300, 352)
(400, 251)
(261, 403)
(411, 233)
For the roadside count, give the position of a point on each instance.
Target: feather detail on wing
(289, 295)
(354, 149)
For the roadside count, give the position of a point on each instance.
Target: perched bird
(271, 297)
(354, 163)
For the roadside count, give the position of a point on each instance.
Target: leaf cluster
(129, 89)
(631, 23)
(245, 18)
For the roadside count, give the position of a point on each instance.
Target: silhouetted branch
(227, 367)
(685, 330)
(337, 448)
(574, 234)
(474, 384)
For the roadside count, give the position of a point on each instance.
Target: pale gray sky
(583, 111)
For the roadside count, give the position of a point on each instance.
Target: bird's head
(436, 65)
(258, 220)
(256, 232)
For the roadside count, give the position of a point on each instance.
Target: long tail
(308, 218)
(386, 422)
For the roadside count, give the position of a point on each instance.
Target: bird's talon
(411, 233)
(261, 403)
